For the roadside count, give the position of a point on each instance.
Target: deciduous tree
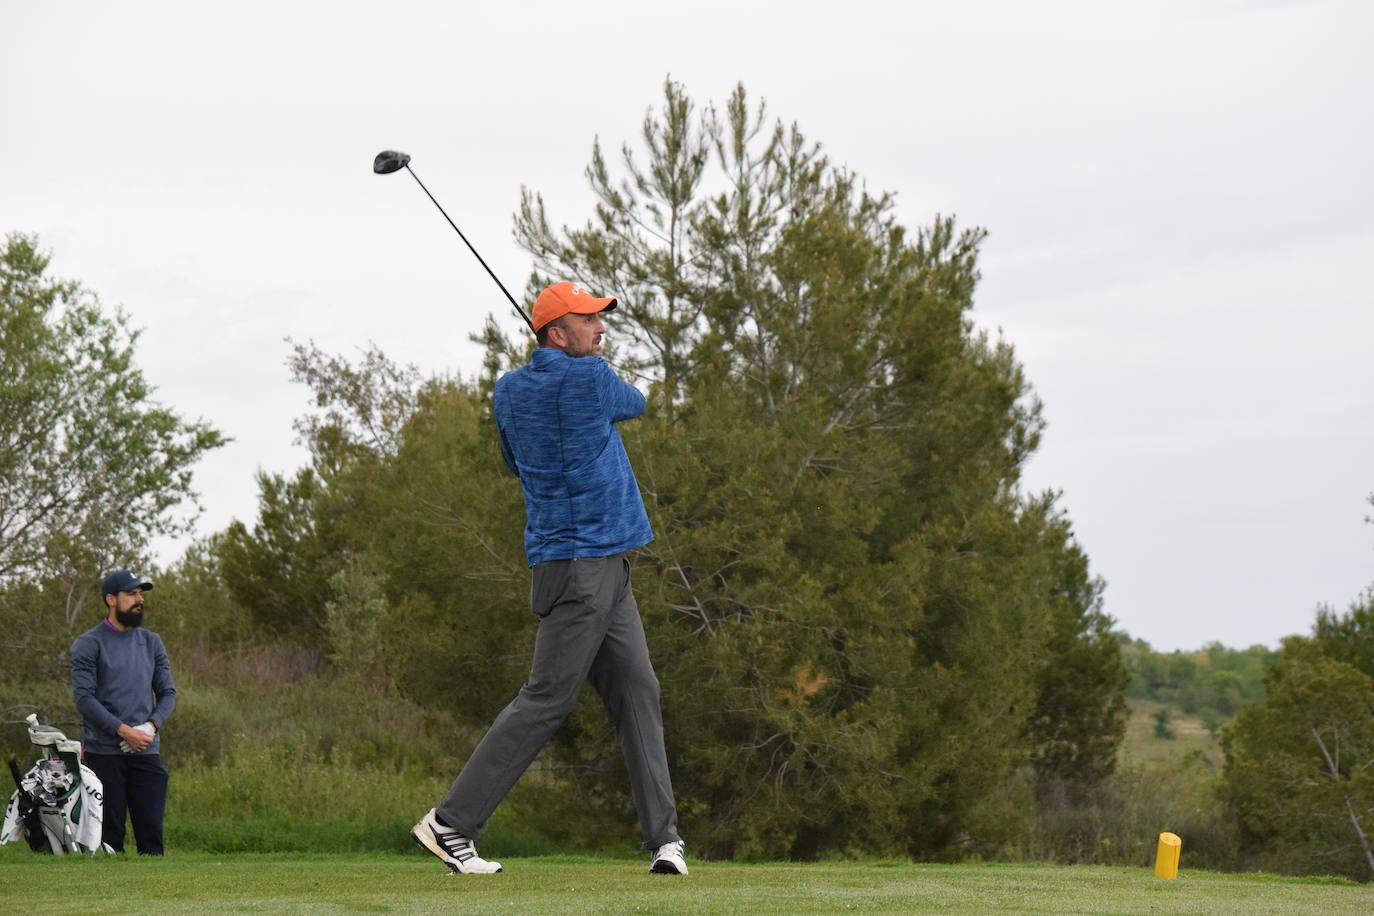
(1298, 767)
(92, 466)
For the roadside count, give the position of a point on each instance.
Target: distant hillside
(1209, 684)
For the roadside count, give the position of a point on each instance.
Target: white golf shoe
(669, 859)
(453, 849)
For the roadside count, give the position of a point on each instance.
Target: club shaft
(485, 267)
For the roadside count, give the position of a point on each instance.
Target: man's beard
(130, 618)
(577, 352)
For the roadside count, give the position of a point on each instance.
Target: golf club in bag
(58, 805)
(389, 161)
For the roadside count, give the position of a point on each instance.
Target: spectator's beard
(130, 618)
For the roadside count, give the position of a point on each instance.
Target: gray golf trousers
(589, 630)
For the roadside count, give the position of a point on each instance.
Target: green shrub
(1163, 729)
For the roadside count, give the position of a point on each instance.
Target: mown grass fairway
(201, 883)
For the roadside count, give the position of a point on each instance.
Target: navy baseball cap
(123, 581)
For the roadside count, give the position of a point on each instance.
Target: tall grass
(283, 798)
(280, 797)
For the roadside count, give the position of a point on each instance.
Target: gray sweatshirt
(120, 679)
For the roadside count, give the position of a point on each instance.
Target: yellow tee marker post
(1166, 857)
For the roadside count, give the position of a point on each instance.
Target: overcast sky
(1178, 196)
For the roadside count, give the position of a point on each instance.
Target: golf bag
(58, 804)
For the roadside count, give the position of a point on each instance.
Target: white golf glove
(146, 728)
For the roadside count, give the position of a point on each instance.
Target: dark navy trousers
(134, 785)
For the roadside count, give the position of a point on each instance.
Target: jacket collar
(547, 356)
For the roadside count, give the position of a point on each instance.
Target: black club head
(388, 161)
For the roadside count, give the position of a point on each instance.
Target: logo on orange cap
(561, 298)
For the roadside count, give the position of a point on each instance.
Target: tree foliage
(90, 465)
(1299, 770)
(310, 523)
(1298, 767)
(1212, 683)
(1349, 637)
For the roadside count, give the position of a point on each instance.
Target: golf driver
(389, 161)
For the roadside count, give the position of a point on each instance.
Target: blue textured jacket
(557, 419)
(116, 677)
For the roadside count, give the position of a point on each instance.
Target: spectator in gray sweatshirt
(122, 683)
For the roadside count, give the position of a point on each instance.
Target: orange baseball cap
(561, 298)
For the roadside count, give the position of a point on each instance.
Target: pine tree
(863, 628)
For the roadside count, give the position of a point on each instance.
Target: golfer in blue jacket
(557, 418)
